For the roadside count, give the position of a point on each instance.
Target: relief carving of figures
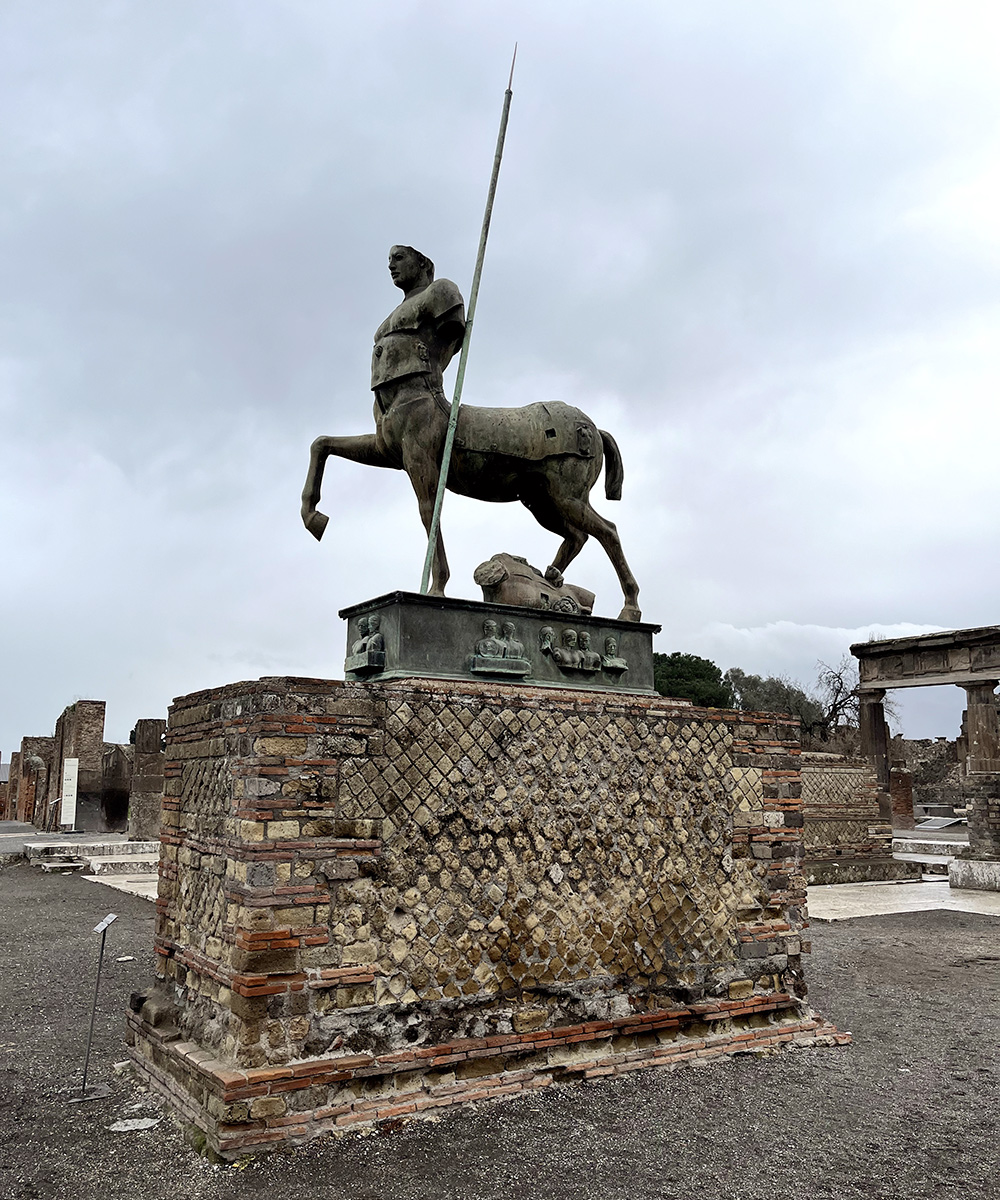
(499, 655)
(574, 653)
(368, 652)
(590, 660)
(567, 654)
(611, 662)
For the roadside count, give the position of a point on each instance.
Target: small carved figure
(368, 652)
(376, 639)
(546, 636)
(489, 646)
(511, 647)
(499, 656)
(590, 660)
(611, 661)
(360, 644)
(568, 654)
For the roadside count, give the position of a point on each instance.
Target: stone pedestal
(405, 636)
(381, 899)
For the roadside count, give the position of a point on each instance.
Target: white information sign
(67, 810)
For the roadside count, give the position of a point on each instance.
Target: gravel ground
(908, 1111)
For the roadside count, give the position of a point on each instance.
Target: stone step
(125, 864)
(96, 846)
(931, 864)
(936, 847)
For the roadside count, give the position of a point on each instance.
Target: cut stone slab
(833, 871)
(907, 847)
(126, 864)
(844, 901)
(143, 886)
(976, 874)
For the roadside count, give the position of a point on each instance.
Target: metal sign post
(101, 1090)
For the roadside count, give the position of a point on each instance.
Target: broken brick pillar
(875, 746)
(901, 791)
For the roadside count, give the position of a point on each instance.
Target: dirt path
(908, 1111)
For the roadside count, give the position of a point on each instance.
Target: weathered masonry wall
(846, 840)
(377, 899)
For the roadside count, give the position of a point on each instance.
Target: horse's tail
(614, 472)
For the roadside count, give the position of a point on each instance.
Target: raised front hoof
(554, 576)
(630, 613)
(316, 523)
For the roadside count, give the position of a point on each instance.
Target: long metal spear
(449, 440)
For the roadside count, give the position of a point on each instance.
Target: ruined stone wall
(13, 785)
(934, 765)
(79, 734)
(34, 770)
(146, 789)
(846, 840)
(381, 898)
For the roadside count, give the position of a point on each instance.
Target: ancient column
(982, 728)
(875, 746)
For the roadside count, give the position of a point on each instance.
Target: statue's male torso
(420, 336)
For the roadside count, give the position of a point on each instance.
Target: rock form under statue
(508, 579)
(547, 456)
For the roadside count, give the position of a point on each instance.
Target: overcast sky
(758, 242)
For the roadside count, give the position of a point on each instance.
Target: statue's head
(507, 629)
(611, 647)
(569, 639)
(490, 628)
(409, 268)
(363, 626)
(546, 635)
(584, 640)
(374, 621)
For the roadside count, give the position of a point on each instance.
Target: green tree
(688, 677)
(773, 693)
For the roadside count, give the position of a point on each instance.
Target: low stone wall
(846, 840)
(377, 899)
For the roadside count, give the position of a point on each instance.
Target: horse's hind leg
(549, 517)
(578, 515)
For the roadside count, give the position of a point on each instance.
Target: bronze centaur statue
(548, 456)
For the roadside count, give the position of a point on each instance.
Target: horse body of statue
(547, 456)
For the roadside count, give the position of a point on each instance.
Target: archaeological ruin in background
(75, 780)
(969, 659)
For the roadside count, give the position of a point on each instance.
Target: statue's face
(373, 623)
(490, 628)
(362, 625)
(584, 640)
(611, 646)
(405, 268)
(508, 629)
(569, 639)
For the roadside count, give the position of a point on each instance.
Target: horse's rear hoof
(630, 613)
(316, 523)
